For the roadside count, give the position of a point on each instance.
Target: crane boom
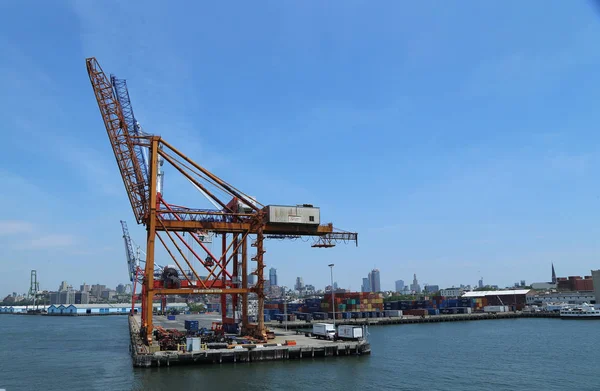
(131, 259)
(122, 95)
(122, 144)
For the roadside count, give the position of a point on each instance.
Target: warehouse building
(561, 297)
(516, 299)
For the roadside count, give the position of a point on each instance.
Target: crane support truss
(224, 272)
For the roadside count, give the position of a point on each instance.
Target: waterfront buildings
(432, 288)
(452, 292)
(561, 297)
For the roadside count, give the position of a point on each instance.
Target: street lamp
(331, 265)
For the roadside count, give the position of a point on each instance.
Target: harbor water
(92, 353)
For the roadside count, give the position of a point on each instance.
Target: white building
(452, 292)
(561, 297)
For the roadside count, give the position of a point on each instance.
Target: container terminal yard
(243, 326)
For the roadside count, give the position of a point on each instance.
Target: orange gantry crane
(236, 217)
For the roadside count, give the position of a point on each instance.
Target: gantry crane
(238, 218)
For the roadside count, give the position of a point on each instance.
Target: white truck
(495, 308)
(323, 330)
(350, 332)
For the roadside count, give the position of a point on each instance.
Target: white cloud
(14, 227)
(49, 241)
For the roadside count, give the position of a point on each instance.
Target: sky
(459, 140)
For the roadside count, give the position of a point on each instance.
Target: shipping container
(293, 215)
(393, 313)
(350, 332)
(416, 312)
(495, 308)
(193, 344)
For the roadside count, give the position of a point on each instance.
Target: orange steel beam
(192, 179)
(232, 190)
(120, 140)
(151, 234)
(199, 291)
(223, 227)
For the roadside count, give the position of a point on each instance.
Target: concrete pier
(416, 319)
(306, 347)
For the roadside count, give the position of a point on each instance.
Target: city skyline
(390, 286)
(460, 124)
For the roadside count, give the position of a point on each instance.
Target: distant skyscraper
(120, 289)
(273, 276)
(415, 287)
(63, 287)
(375, 281)
(299, 284)
(399, 286)
(251, 279)
(553, 274)
(366, 285)
(480, 283)
(84, 288)
(432, 288)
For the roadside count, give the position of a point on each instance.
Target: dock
(277, 349)
(417, 319)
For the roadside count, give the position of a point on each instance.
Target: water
(91, 353)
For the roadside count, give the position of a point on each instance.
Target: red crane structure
(238, 219)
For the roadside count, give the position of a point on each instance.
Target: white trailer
(350, 332)
(323, 330)
(393, 313)
(495, 308)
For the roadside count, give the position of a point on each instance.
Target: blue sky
(460, 141)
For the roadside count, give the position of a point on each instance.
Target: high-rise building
(96, 290)
(84, 288)
(415, 287)
(432, 288)
(299, 284)
(251, 279)
(554, 275)
(63, 287)
(399, 286)
(273, 276)
(375, 281)
(480, 283)
(120, 289)
(82, 298)
(366, 285)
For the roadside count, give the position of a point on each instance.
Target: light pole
(285, 308)
(331, 265)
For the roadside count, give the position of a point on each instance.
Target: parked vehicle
(350, 332)
(324, 330)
